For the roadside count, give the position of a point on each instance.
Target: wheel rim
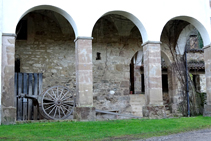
(58, 102)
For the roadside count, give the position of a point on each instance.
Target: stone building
(114, 55)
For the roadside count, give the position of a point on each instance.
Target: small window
(98, 56)
(142, 83)
(21, 30)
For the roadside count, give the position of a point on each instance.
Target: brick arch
(55, 9)
(131, 17)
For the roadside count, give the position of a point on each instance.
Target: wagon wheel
(58, 102)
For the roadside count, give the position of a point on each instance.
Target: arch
(166, 57)
(183, 37)
(197, 24)
(134, 19)
(55, 9)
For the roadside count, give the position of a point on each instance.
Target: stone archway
(8, 100)
(116, 39)
(180, 27)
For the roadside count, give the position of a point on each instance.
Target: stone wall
(51, 51)
(111, 72)
(201, 83)
(48, 49)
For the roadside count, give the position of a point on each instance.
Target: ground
(197, 135)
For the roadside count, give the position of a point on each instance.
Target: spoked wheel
(58, 102)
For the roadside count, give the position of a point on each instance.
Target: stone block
(8, 115)
(85, 95)
(84, 113)
(125, 84)
(155, 96)
(126, 92)
(154, 112)
(207, 110)
(119, 67)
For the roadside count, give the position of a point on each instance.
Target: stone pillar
(137, 80)
(8, 100)
(207, 59)
(137, 72)
(153, 83)
(201, 83)
(84, 79)
(174, 89)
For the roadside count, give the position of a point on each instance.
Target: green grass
(102, 130)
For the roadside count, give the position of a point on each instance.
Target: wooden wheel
(58, 102)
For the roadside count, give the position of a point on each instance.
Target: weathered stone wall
(48, 49)
(111, 73)
(8, 109)
(201, 83)
(196, 57)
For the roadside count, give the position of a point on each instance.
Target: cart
(55, 103)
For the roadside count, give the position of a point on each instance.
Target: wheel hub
(58, 102)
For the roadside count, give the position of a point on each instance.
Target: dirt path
(199, 135)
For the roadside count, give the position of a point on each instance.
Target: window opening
(165, 82)
(142, 83)
(98, 56)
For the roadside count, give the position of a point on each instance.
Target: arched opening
(115, 40)
(44, 45)
(137, 74)
(182, 39)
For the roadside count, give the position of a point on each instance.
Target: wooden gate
(31, 84)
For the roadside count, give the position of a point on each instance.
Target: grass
(102, 130)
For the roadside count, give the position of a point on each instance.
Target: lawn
(102, 130)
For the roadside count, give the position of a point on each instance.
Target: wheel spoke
(67, 97)
(55, 112)
(50, 96)
(51, 110)
(45, 99)
(61, 93)
(67, 105)
(48, 103)
(50, 107)
(53, 92)
(69, 102)
(59, 111)
(64, 94)
(66, 108)
(62, 110)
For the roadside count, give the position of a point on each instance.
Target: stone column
(84, 81)
(174, 89)
(137, 80)
(8, 100)
(153, 83)
(207, 60)
(137, 72)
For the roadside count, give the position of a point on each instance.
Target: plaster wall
(1, 21)
(84, 16)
